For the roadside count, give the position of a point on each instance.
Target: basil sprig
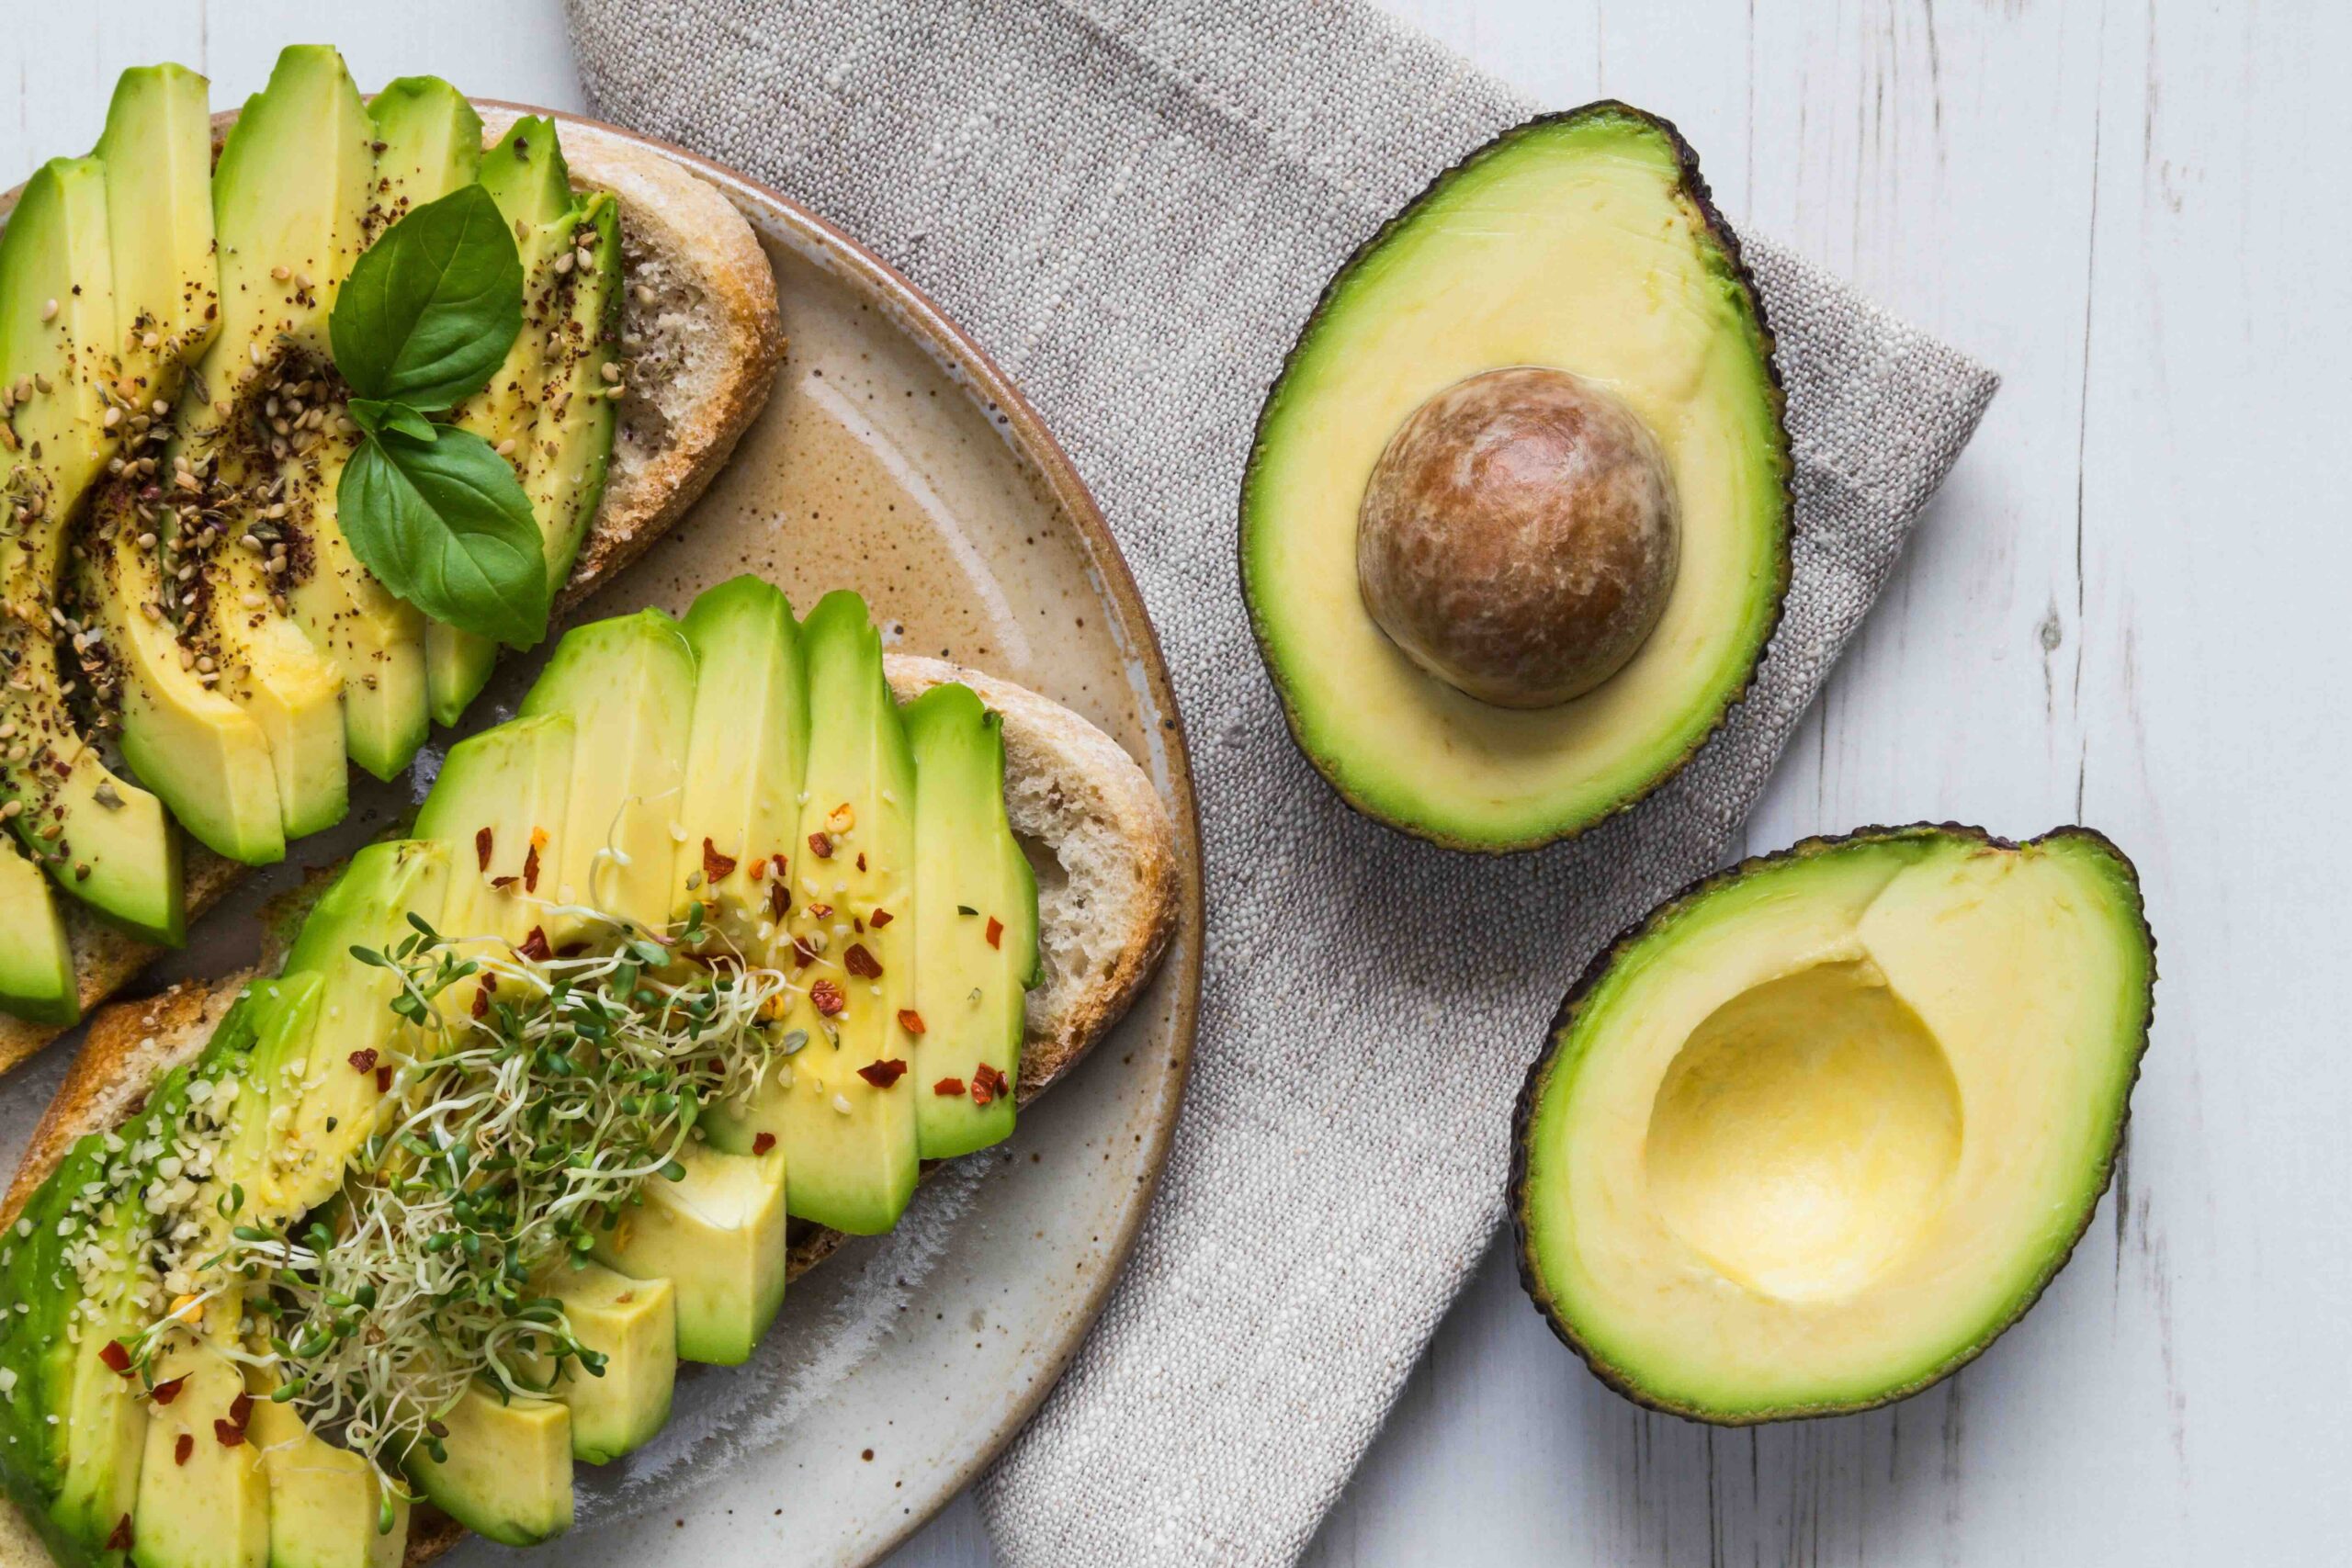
(423, 323)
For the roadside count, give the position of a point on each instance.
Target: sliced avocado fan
(1816, 1132)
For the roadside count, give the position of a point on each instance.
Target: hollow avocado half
(1584, 242)
(1813, 1134)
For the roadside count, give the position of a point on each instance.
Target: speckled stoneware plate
(895, 458)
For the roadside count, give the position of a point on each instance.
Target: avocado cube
(633, 1323)
(508, 1474)
(718, 1235)
(326, 1505)
(207, 1507)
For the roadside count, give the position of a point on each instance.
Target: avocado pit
(1519, 536)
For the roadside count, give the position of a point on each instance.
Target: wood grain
(2125, 609)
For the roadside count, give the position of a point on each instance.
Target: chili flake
(779, 900)
(116, 1358)
(820, 911)
(861, 860)
(504, 883)
(531, 863)
(948, 1088)
(783, 866)
(716, 867)
(803, 954)
(828, 998)
(363, 1060)
(821, 846)
(482, 1003)
(988, 1084)
(481, 848)
(240, 1410)
(165, 1392)
(763, 1142)
(880, 917)
(882, 1074)
(383, 1081)
(121, 1540)
(910, 1020)
(535, 947)
(181, 1449)
(861, 963)
(996, 931)
(758, 871)
(228, 1434)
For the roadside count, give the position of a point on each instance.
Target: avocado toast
(694, 307)
(697, 1247)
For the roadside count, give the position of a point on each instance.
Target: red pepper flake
(121, 1540)
(763, 1142)
(481, 848)
(948, 1088)
(996, 931)
(716, 867)
(779, 900)
(490, 982)
(783, 866)
(881, 917)
(116, 1356)
(861, 963)
(758, 870)
(858, 924)
(181, 1449)
(910, 1020)
(820, 911)
(987, 1085)
(882, 1074)
(820, 845)
(828, 998)
(535, 947)
(531, 865)
(803, 954)
(165, 1392)
(482, 1003)
(861, 860)
(228, 1434)
(504, 883)
(240, 1410)
(383, 1081)
(363, 1060)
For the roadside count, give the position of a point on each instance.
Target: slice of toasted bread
(701, 307)
(1096, 831)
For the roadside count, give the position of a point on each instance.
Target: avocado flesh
(526, 177)
(850, 1146)
(339, 1104)
(572, 437)
(213, 1510)
(499, 806)
(970, 993)
(325, 1502)
(627, 684)
(206, 757)
(1816, 1132)
(272, 1077)
(1580, 241)
(427, 143)
(103, 838)
(744, 755)
(508, 1475)
(157, 148)
(291, 195)
(36, 961)
(633, 1323)
(717, 1235)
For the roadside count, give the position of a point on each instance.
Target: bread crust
(687, 224)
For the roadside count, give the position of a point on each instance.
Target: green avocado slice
(841, 1104)
(633, 1324)
(1582, 243)
(427, 142)
(508, 1474)
(627, 684)
(717, 1234)
(745, 751)
(36, 960)
(326, 1505)
(526, 175)
(1813, 1134)
(975, 910)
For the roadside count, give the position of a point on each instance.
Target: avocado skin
(1694, 186)
(1531, 1095)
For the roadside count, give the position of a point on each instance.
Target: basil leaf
(376, 417)
(429, 310)
(448, 527)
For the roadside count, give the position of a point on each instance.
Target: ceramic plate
(895, 458)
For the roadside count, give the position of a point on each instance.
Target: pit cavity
(1806, 1132)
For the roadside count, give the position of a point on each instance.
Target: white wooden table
(2129, 607)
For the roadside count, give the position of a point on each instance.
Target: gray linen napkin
(1132, 206)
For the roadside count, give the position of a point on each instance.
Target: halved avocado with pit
(1582, 246)
(1811, 1136)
